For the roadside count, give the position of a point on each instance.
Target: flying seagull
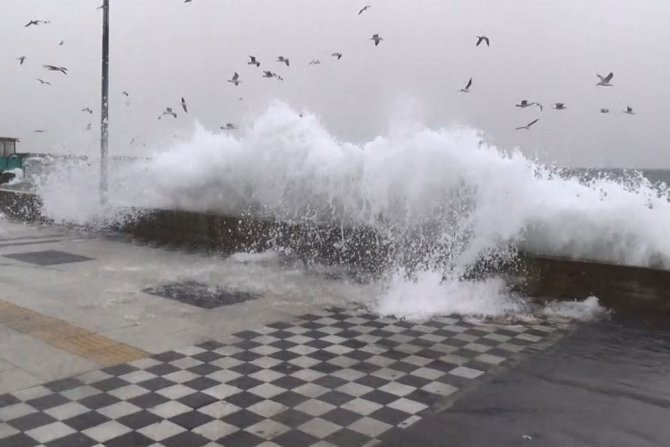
(89, 126)
(559, 106)
(235, 79)
(125, 93)
(283, 59)
(605, 80)
(629, 110)
(604, 110)
(21, 60)
(228, 126)
(39, 131)
(60, 44)
(55, 68)
(87, 110)
(314, 62)
(269, 74)
(168, 111)
(253, 61)
(376, 38)
(365, 8)
(467, 87)
(481, 39)
(337, 55)
(36, 22)
(524, 103)
(43, 82)
(183, 105)
(527, 126)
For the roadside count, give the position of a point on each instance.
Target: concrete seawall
(541, 277)
(21, 205)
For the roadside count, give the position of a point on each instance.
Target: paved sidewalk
(66, 298)
(107, 343)
(330, 378)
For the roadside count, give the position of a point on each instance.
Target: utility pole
(104, 108)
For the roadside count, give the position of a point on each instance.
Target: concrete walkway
(103, 342)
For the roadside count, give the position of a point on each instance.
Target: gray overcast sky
(542, 50)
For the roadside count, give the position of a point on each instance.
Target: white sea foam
(252, 258)
(587, 310)
(468, 199)
(428, 294)
(18, 176)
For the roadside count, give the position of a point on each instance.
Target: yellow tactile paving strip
(67, 337)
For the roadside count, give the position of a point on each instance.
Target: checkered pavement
(331, 378)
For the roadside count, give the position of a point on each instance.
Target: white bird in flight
(524, 103)
(527, 126)
(253, 61)
(365, 8)
(377, 38)
(56, 68)
(559, 106)
(168, 111)
(283, 60)
(466, 89)
(481, 39)
(37, 22)
(235, 79)
(605, 81)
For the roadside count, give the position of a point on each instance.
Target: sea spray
(440, 201)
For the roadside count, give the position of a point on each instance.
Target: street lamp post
(104, 108)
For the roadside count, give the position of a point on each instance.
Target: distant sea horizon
(656, 176)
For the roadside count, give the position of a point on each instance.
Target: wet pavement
(330, 378)
(103, 343)
(607, 384)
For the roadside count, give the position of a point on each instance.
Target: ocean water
(441, 193)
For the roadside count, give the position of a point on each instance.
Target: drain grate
(48, 257)
(200, 294)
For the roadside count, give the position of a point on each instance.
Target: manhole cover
(200, 294)
(48, 257)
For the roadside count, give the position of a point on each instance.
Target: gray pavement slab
(37, 358)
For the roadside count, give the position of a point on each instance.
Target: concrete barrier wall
(21, 205)
(225, 233)
(615, 285)
(541, 277)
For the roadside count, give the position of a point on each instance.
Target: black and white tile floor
(332, 378)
